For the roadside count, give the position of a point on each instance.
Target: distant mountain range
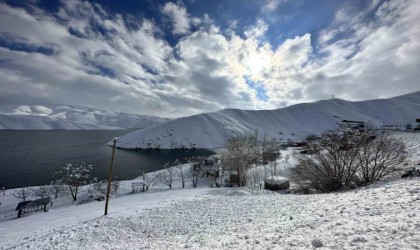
(210, 130)
(47, 117)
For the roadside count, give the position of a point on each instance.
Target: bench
(33, 206)
(138, 186)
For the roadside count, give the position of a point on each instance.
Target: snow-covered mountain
(45, 117)
(210, 130)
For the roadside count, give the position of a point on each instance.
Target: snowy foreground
(382, 216)
(385, 215)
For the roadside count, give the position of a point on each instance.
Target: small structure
(33, 206)
(138, 186)
(357, 125)
(276, 183)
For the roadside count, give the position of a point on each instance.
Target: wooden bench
(33, 206)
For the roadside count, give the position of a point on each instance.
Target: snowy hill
(45, 117)
(210, 130)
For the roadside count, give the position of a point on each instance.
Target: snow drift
(210, 130)
(42, 117)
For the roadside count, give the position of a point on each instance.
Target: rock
(276, 183)
(317, 243)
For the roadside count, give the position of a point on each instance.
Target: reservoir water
(33, 157)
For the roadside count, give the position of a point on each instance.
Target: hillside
(46, 117)
(210, 130)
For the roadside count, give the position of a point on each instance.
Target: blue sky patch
(259, 88)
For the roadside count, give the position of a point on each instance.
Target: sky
(178, 58)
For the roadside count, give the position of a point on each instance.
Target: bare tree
(166, 175)
(147, 180)
(196, 168)
(179, 166)
(333, 164)
(57, 188)
(22, 193)
(75, 176)
(42, 191)
(348, 158)
(240, 152)
(378, 157)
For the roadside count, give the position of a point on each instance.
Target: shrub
(378, 157)
(347, 159)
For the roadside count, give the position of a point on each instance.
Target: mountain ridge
(210, 130)
(70, 117)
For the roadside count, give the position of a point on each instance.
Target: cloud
(257, 30)
(371, 59)
(179, 18)
(84, 55)
(271, 5)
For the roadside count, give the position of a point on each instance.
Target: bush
(347, 159)
(378, 157)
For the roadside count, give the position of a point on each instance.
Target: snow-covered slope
(44, 117)
(210, 130)
(380, 216)
(383, 215)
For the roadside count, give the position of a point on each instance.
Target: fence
(400, 127)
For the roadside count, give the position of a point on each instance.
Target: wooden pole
(110, 176)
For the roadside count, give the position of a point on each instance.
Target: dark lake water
(30, 158)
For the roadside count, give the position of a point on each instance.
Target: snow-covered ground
(45, 117)
(210, 130)
(385, 215)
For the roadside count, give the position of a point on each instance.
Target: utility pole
(110, 176)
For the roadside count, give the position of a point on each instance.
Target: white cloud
(135, 70)
(257, 30)
(179, 18)
(271, 5)
(377, 59)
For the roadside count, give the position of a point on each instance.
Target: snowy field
(385, 215)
